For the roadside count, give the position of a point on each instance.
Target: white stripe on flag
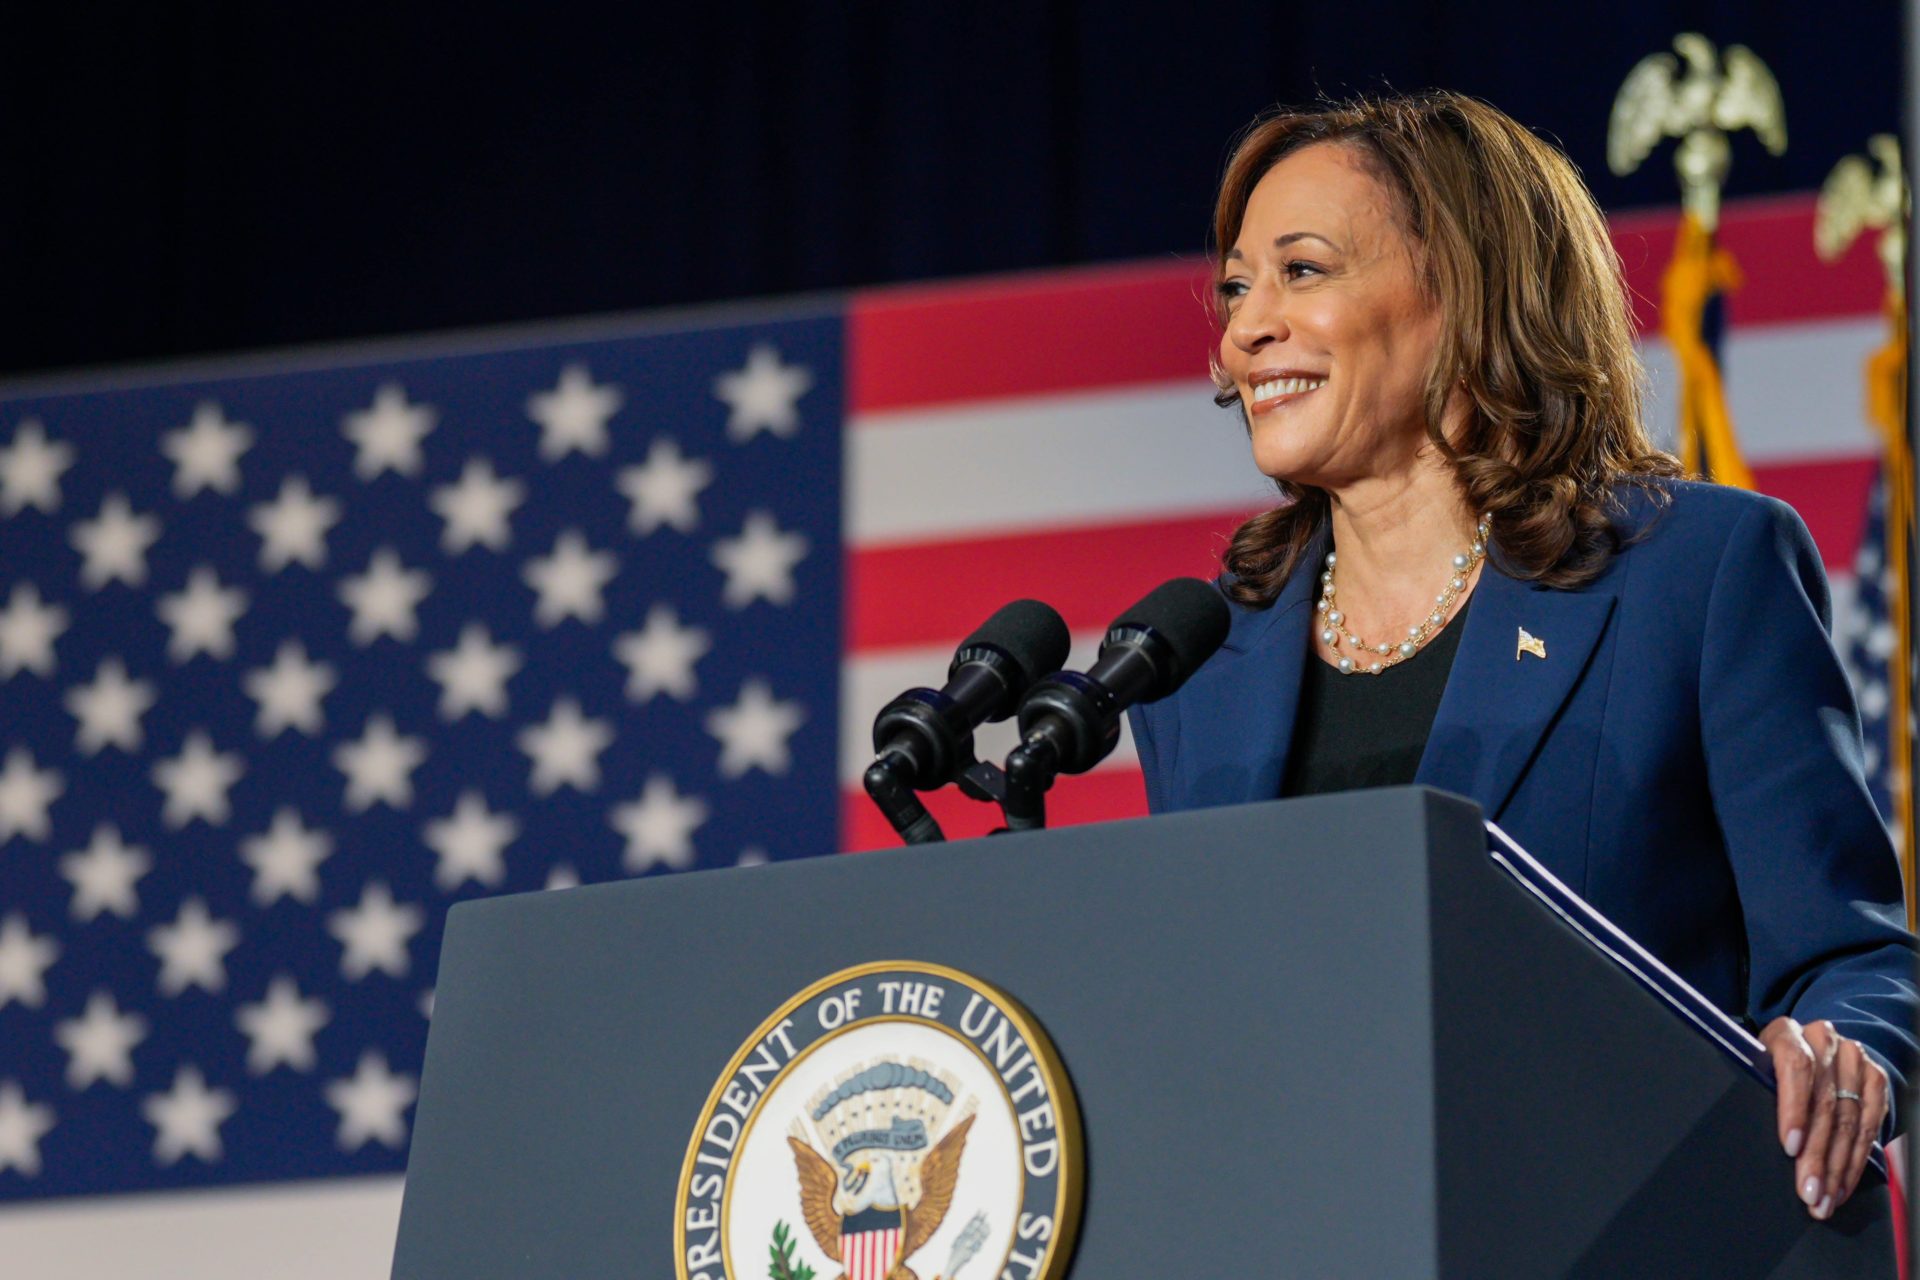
(1795, 391)
(1045, 462)
(325, 1230)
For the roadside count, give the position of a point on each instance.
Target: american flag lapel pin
(1530, 644)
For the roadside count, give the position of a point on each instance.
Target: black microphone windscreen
(1189, 615)
(1031, 633)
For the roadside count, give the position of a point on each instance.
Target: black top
(1368, 731)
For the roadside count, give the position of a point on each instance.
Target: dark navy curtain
(195, 177)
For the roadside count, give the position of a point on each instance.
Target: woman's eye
(1231, 290)
(1295, 270)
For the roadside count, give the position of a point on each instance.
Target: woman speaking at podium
(1483, 576)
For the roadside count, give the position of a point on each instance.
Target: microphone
(923, 739)
(1070, 721)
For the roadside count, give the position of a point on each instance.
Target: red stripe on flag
(1093, 797)
(933, 593)
(1772, 241)
(1831, 496)
(1061, 331)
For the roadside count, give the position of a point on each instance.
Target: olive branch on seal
(785, 1266)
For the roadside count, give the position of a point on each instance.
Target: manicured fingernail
(1824, 1208)
(1796, 1138)
(1810, 1191)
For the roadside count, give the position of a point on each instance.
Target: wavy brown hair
(1535, 328)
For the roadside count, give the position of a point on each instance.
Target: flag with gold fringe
(1857, 197)
(1693, 318)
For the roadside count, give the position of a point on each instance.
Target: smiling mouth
(1278, 391)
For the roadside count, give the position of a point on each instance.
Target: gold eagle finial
(1855, 199)
(1719, 93)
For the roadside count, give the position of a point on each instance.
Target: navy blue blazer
(1687, 756)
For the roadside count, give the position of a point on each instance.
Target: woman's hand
(1832, 1100)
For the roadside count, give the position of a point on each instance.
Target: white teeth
(1287, 387)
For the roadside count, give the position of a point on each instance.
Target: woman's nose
(1259, 319)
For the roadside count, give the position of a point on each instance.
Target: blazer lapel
(1237, 713)
(1500, 701)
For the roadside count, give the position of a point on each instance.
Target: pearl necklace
(1373, 659)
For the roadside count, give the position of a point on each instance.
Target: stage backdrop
(296, 652)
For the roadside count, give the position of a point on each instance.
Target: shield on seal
(870, 1243)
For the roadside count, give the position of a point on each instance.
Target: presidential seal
(892, 1121)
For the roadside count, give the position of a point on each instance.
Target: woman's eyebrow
(1281, 242)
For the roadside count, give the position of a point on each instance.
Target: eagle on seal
(860, 1221)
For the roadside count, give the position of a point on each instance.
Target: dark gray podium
(1312, 1038)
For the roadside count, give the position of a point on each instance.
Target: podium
(1323, 1037)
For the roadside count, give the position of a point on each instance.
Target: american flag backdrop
(295, 660)
(297, 653)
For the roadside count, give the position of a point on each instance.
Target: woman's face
(1329, 336)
